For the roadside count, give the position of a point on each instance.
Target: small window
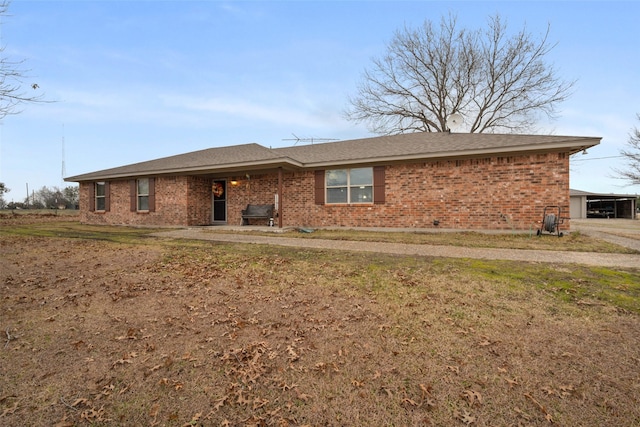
(349, 185)
(101, 196)
(143, 194)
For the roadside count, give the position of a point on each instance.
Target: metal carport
(599, 205)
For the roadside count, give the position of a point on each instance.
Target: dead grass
(128, 330)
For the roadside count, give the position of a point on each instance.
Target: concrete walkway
(551, 257)
(623, 232)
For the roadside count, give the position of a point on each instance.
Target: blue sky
(138, 80)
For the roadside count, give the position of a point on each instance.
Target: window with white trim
(349, 185)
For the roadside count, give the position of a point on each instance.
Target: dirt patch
(101, 333)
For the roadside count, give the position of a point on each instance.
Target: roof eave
(284, 162)
(570, 147)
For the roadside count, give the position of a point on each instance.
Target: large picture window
(143, 194)
(101, 196)
(349, 185)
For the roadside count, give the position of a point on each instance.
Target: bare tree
(632, 154)
(12, 76)
(497, 81)
(55, 198)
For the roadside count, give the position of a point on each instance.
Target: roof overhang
(265, 160)
(570, 147)
(217, 170)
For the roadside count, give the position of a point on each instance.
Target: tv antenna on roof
(297, 139)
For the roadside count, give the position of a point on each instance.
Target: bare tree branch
(13, 89)
(498, 82)
(632, 154)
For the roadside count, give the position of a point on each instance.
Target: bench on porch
(256, 212)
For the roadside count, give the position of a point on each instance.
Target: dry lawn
(107, 327)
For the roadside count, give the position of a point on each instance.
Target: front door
(219, 190)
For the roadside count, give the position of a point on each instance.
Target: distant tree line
(45, 198)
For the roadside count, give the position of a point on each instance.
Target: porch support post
(280, 197)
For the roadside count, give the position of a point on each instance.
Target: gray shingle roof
(195, 161)
(430, 145)
(383, 149)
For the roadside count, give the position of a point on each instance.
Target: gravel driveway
(622, 233)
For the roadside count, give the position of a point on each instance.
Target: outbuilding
(603, 205)
(417, 180)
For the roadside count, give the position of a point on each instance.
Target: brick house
(419, 180)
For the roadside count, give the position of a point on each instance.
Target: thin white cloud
(250, 111)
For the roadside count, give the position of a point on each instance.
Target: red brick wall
(487, 193)
(198, 197)
(483, 193)
(256, 190)
(179, 200)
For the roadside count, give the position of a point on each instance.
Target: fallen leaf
(153, 412)
(466, 417)
(409, 401)
(293, 356)
(259, 403)
(321, 366)
(220, 403)
(425, 389)
(387, 390)
(357, 383)
(79, 402)
(193, 421)
(473, 397)
(64, 423)
(241, 399)
(512, 382)
(304, 397)
(120, 362)
(538, 404)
